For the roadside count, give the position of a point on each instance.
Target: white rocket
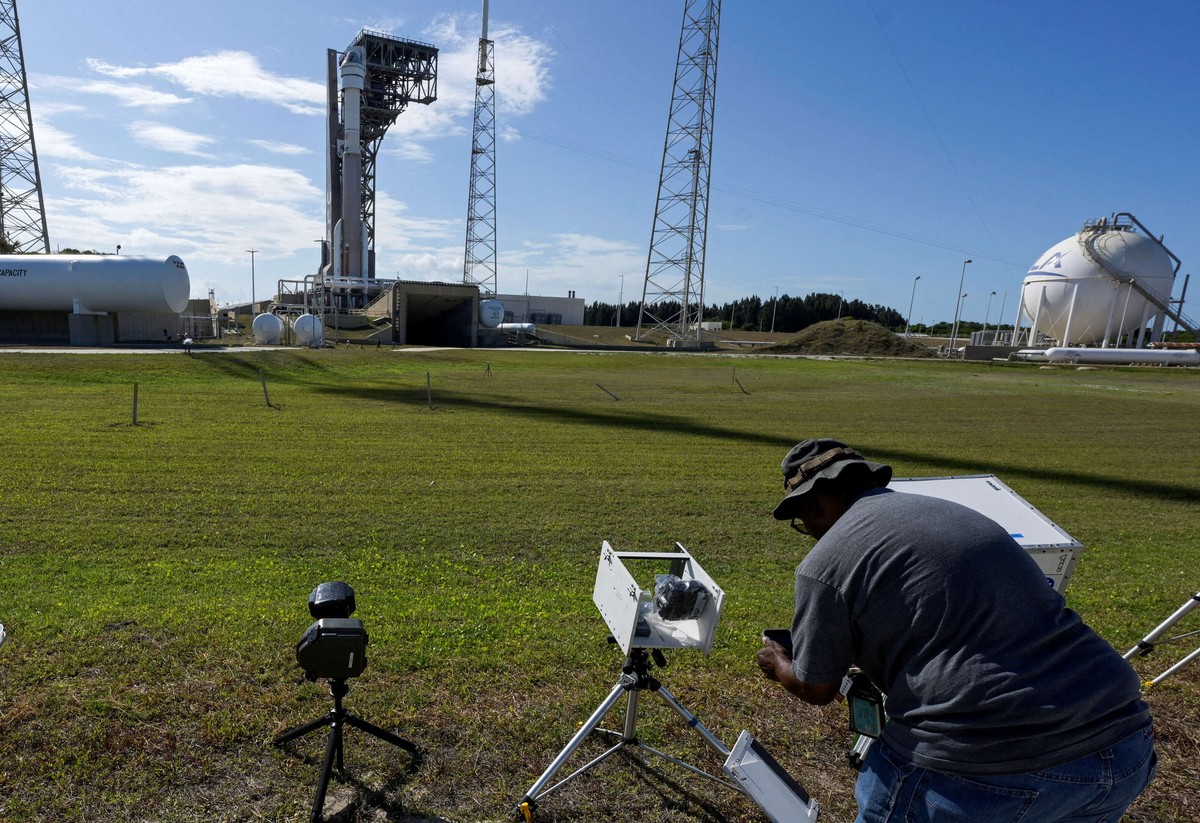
(348, 239)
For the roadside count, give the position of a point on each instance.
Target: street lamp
(910, 305)
(954, 333)
(620, 302)
(774, 306)
(252, 252)
(1000, 316)
(986, 315)
(958, 306)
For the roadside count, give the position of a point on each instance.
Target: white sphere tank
(1101, 302)
(310, 331)
(267, 329)
(491, 313)
(93, 282)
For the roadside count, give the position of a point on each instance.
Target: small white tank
(267, 329)
(491, 313)
(310, 331)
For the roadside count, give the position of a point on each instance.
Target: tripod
(336, 719)
(635, 679)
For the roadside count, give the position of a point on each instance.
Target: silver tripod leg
(694, 723)
(628, 737)
(1194, 655)
(1147, 643)
(535, 791)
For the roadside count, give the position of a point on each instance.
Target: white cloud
(169, 138)
(230, 74)
(55, 143)
(276, 147)
(129, 95)
(578, 261)
(207, 212)
(523, 64)
(522, 82)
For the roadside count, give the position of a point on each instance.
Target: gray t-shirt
(985, 669)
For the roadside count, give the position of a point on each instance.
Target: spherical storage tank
(491, 313)
(267, 329)
(310, 331)
(1105, 306)
(93, 282)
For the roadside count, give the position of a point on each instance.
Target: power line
(771, 200)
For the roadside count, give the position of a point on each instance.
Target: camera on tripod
(335, 646)
(681, 612)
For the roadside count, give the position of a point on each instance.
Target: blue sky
(857, 145)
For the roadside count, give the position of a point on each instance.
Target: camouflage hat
(821, 459)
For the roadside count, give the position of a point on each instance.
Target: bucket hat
(824, 458)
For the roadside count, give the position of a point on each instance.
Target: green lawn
(154, 577)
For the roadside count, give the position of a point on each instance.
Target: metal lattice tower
(399, 72)
(22, 208)
(673, 295)
(479, 258)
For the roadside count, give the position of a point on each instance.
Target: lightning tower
(22, 209)
(479, 258)
(673, 294)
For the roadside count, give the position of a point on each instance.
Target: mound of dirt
(850, 337)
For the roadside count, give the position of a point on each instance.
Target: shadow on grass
(672, 793)
(281, 366)
(294, 368)
(384, 798)
(676, 424)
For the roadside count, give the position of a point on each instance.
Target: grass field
(154, 577)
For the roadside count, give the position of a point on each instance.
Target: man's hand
(776, 664)
(773, 658)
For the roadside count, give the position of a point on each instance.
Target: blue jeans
(1093, 789)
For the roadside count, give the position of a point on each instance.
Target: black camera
(334, 647)
(333, 599)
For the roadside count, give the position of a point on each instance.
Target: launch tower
(380, 75)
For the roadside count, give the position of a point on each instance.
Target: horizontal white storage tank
(1124, 357)
(99, 283)
(309, 329)
(527, 328)
(267, 329)
(1101, 303)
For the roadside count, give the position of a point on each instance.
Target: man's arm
(776, 665)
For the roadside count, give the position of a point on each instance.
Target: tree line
(785, 314)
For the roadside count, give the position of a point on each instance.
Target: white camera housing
(629, 610)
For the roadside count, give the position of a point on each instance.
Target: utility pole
(251, 252)
(620, 302)
(911, 298)
(958, 307)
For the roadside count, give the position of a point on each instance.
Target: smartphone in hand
(781, 636)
